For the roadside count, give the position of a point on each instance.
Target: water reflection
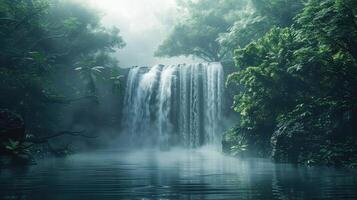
(179, 174)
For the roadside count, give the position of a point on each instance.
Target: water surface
(200, 174)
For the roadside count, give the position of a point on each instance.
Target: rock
(287, 142)
(12, 125)
(243, 142)
(315, 135)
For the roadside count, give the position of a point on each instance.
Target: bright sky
(144, 24)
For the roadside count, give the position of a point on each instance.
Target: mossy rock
(12, 126)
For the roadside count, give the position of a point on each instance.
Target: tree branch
(62, 133)
(57, 152)
(46, 38)
(9, 19)
(67, 101)
(203, 55)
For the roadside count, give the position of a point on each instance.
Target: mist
(144, 25)
(178, 99)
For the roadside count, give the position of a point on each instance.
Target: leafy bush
(299, 86)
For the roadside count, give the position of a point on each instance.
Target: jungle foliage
(211, 29)
(300, 86)
(199, 25)
(52, 52)
(296, 77)
(295, 83)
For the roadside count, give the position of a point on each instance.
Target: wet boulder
(12, 132)
(12, 126)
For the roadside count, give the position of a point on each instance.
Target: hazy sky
(144, 24)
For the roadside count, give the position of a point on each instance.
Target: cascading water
(174, 105)
(164, 97)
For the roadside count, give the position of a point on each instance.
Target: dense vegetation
(199, 27)
(53, 53)
(294, 85)
(296, 78)
(300, 86)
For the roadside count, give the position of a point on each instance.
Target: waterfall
(174, 105)
(165, 126)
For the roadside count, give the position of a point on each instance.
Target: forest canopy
(210, 30)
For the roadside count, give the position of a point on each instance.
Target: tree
(199, 27)
(331, 21)
(42, 40)
(281, 12)
(268, 88)
(255, 22)
(300, 84)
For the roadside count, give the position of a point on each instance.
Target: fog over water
(143, 25)
(176, 174)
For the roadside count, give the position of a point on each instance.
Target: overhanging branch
(44, 140)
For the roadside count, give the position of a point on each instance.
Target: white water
(164, 104)
(174, 105)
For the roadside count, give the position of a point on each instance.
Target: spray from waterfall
(177, 105)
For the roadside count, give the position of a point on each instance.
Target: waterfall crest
(174, 105)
